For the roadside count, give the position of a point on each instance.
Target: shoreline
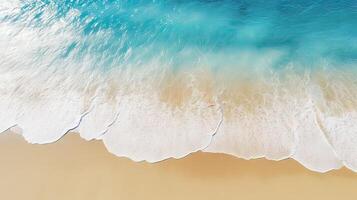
(73, 168)
(16, 132)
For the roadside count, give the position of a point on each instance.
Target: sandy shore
(75, 169)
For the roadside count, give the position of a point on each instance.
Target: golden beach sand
(75, 169)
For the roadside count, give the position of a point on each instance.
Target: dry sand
(75, 169)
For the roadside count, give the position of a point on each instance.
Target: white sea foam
(147, 130)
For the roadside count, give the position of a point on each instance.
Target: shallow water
(160, 79)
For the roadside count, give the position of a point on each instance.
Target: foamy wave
(143, 120)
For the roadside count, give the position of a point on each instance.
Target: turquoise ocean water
(159, 79)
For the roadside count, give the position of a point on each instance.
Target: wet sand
(75, 169)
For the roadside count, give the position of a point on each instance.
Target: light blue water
(104, 68)
(184, 32)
